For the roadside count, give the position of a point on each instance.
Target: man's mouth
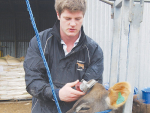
(72, 30)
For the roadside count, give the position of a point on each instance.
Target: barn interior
(15, 26)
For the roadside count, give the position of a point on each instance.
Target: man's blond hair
(71, 5)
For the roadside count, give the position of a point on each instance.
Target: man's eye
(67, 18)
(77, 18)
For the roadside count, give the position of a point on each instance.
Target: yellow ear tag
(120, 98)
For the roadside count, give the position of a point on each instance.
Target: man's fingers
(76, 92)
(72, 99)
(74, 96)
(72, 84)
(68, 94)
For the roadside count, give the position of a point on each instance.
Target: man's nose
(72, 23)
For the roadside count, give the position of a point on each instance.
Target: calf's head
(99, 99)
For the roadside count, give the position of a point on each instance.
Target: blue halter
(106, 111)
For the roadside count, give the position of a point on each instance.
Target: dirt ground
(15, 107)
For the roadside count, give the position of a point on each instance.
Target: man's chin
(72, 34)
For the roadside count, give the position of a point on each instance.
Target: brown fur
(95, 100)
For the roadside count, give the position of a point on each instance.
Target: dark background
(15, 26)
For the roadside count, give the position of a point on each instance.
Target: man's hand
(68, 94)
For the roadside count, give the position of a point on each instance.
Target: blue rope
(106, 111)
(42, 54)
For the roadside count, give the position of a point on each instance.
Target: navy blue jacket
(85, 61)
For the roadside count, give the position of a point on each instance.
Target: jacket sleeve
(95, 68)
(35, 73)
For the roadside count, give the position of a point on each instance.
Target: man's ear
(58, 16)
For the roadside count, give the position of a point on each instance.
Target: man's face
(70, 23)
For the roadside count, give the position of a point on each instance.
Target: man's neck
(69, 40)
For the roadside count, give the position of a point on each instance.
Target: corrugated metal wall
(143, 74)
(98, 25)
(13, 32)
(7, 31)
(16, 32)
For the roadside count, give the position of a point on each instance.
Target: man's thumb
(72, 84)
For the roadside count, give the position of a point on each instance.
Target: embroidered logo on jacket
(80, 65)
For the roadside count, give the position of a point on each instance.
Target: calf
(99, 99)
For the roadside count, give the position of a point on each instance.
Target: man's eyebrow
(66, 16)
(78, 17)
(70, 17)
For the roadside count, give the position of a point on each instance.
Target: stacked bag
(12, 79)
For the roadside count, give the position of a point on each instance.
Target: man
(71, 57)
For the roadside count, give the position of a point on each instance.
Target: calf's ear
(118, 94)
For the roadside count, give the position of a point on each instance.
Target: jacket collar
(56, 32)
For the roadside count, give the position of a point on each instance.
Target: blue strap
(106, 111)
(42, 54)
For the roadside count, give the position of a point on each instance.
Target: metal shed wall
(99, 26)
(15, 26)
(13, 33)
(143, 73)
(16, 32)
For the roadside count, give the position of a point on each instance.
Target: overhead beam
(107, 2)
(118, 3)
